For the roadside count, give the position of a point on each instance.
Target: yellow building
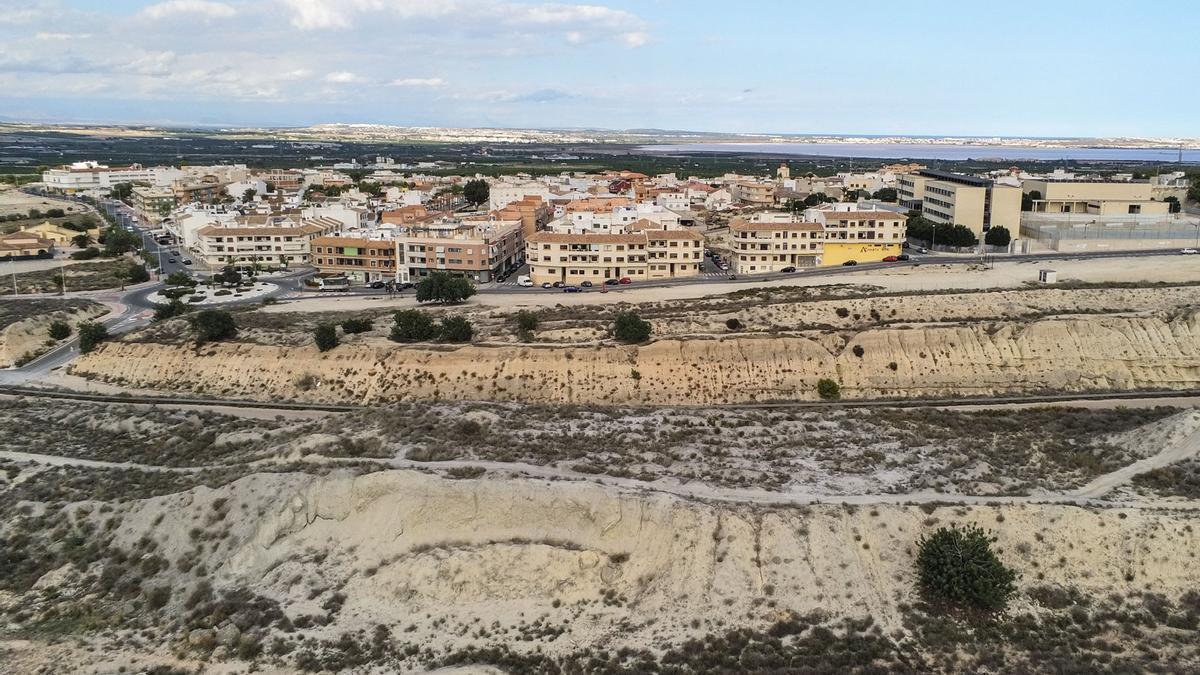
(573, 258)
(858, 233)
(23, 244)
(58, 234)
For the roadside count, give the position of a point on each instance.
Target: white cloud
(418, 82)
(574, 37)
(635, 39)
(343, 77)
(202, 8)
(45, 36)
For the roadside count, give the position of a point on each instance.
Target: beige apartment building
(360, 259)
(268, 241)
(573, 258)
(476, 248)
(957, 199)
(1094, 197)
(153, 204)
(771, 245)
(753, 193)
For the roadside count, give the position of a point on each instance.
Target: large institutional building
(955, 199)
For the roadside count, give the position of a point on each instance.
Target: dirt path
(1102, 485)
(1090, 494)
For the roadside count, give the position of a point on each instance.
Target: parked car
(524, 280)
(547, 284)
(625, 280)
(724, 267)
(732, 277)
(170, 260)
(789, 268)
(377, 285)
(559, 284)
(1189, 251)
(586, 284)
(903, 257)
(187, 261)
(922, 249)
(571, 289)
(611, 282)
(850, 263)
(890, 258)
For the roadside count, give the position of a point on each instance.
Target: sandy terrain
(15, 201)
(22, 339)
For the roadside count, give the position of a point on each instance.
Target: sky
(1053, 68)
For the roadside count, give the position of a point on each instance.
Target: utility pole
(13, 264)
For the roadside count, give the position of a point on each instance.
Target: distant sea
(923, 151)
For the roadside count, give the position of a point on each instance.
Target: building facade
(575, 257)
(856, 232)
(957, 199)
(476, 248)
(267, 245)
(771, 245)
(360, 259)
(1094, 197)
(153, 204)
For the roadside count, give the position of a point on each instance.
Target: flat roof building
(957, 199)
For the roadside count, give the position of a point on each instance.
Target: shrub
(213, 325)
(173, 293)
(180, 279)
(88, 253)
(629, 327)
(733, 324)
(90, 335)
(354, 326)
(325, 336)
(170, 310)
(957, 565)
(59, 330)
(444, 288)
(526, 321)
(456, 329)
(858, 351)
(223, 292)
(843, 312)
(411, 325)
(828, 389)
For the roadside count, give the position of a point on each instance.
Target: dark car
(789, 268)
(572, 289)
(850, 263)
(377, 285)
(611, 282)
(732, 277)
(187, 261)
(903, 256)
(586, 284)
(559, 284)
(170, 260)
(406, 285)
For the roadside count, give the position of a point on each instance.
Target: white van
(524, 280)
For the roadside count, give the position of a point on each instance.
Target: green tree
(228, 275)
(1193, 193)
(456, 329)
(59, 330)
(1028, 198)
(476, 191)
(957, 565)
(444, 288)
(213, 325)
(629, 327)
(1174, 205)
(325, 336)
(82, 240)
(411, 325)
(249, 194)
(828, 390)
(121, 191)
(526, 322)
(90, 335)
(118, 241)
(138, 274)
(121, 274)
(886, 195)
(997, 236)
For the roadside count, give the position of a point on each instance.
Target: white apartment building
(85, 176)
(271, 241)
